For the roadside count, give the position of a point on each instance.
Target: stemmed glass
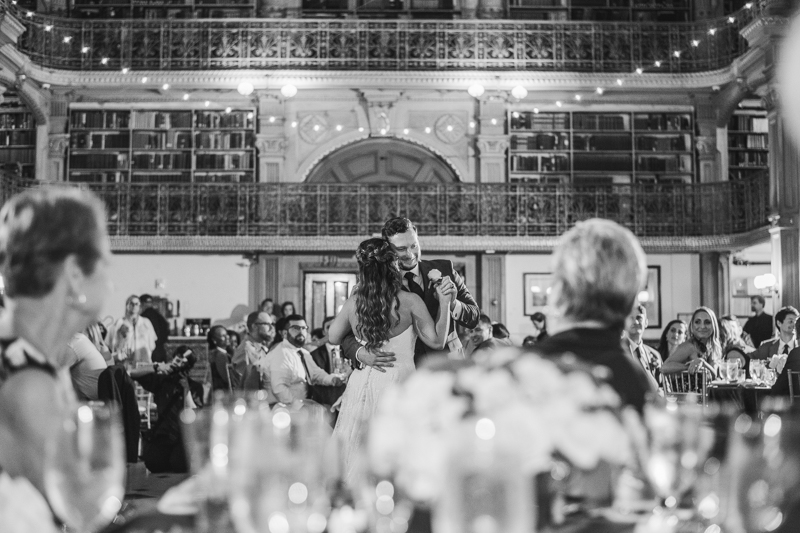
(84, 472)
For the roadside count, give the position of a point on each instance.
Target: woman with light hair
(599, 269)
(702, 349)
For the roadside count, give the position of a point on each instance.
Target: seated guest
(85, 366)
(219, 359)
(642, 354)
(173, 392)
(733, 345)
(781, 386)
(250, 358)
(267, 306)
(160, 326)
(673, 336)
(599, 269)
(234, 338)
(132, 338)
(329, 358)
(287, 309)
(481, 338)
(54, 257)
(291, 367)
(500, 332)
(539, 322)
(777, 349)
(702, 350)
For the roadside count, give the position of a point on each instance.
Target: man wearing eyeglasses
(292, 371)
(250, 358)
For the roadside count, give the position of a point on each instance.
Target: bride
(382, 316)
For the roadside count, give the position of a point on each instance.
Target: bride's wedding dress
(360, 398)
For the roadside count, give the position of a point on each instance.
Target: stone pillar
(492, 142)
(710, 281)
(58, 139)
(493, 287)
(270, 142)
(784, 200)
(263, 280)
(708, 160)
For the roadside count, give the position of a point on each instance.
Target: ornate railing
(511, 210)
(199, 44)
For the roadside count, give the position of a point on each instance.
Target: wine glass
(84, 473)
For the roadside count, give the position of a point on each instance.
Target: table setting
(524, 445)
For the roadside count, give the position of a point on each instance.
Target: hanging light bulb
(288, 90)
(245, 88)
(519, 92)
(475, 90)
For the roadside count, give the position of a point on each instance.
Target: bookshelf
(162, 9)
(748, 143)
(601, 148)
(162, 146)
(17, 137)
(603, 10)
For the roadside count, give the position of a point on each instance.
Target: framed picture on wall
(537, 290)
(653, 303)
(686, 317)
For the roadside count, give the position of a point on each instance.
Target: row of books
(674, 163)
(543, 141)
(597, 121)
(225, 161)
(98, 177)
(758, 142)
(18, 138)
(115, 120)
(599, 161)
(602, 142)
(99, 160)
(677, 143)
(162, 120)
(24, 156)
(225, 140)
(749, 123)
(527, 120)
(176, 160)
(542, 163)
(748, 159)
(216, 120)
(157, 140)
(662, 122)
(16, 121)
(98, 141)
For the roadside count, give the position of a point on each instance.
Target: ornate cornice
(423, 80)
(431, 244)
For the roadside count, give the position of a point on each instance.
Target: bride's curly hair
(376, 293)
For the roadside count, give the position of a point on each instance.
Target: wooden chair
(794, 384)
(682, 384)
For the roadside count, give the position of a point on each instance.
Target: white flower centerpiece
(527, 409)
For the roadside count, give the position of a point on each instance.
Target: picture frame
(536, 287)
(653, 303)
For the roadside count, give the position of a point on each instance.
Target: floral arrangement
(539, 409)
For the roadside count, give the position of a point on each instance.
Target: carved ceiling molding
(325, 243)
(352, 79)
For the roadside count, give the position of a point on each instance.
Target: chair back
(681, 384)
(794, 384)
(144, 399)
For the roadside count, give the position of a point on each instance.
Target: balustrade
(194, 44)
(509, 210)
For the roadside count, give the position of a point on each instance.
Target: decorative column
(492, 141)
(493, 286)
(708, 168)
(714, 284)
(263, 279)
(58, 139)
(270, 142)
(784, 200)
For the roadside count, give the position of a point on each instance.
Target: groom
(419, 277)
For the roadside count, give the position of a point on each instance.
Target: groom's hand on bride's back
(377, 359)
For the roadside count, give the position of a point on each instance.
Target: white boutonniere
(435, 276)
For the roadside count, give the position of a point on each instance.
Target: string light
(85, 50)
(405, 131)
(124, 70)
(639, 70)
(104, 61)
(272, 119)
(185, 96)
(48, 27)
(695, 43)
(338, 127)
(67, 39)
(558, 103)
(657, 64)
(677, 54)
(207, 103)
(427, 130)
(165, 87)
(712, 31)
(361, 130)
(600, 91)
(578, 97)
(144, 79)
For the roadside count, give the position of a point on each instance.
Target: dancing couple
(387, 326)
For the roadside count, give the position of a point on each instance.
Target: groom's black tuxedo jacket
(469, 307)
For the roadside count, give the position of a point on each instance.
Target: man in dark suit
(420, 277)
(326, 357)
(642, 354)
(777, 351)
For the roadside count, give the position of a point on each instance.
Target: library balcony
(515, 210)
(360, 44)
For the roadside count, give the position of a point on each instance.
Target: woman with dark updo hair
(382, 316)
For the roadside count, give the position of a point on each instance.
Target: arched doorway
(382, 160)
